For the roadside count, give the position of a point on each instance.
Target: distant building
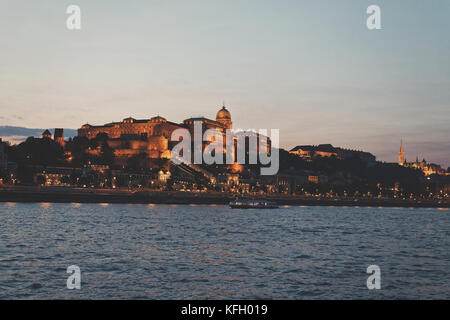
(46, 134)
(286, 182)
(53, 176)
(228, 181)
(308, 151)
(327, 150)
(59, 136)
(401, 155)
(427, 168)
(163, 176)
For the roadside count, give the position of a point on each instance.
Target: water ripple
(212, 252)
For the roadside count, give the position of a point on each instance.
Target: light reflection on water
(182, 251)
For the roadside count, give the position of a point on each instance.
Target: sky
(309, 68)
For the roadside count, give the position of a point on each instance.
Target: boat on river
(252, 204)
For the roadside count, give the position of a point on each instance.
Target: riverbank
(79, 195)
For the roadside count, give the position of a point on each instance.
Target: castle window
(128, 120)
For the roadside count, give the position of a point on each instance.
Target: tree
(36, 151)
(138, 162)
(78, 147)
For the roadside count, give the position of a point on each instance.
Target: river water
(213, 252)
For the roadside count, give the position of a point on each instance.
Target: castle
(154, 127)
(151, 136)
(427, 168)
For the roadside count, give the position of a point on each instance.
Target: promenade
(80, 195)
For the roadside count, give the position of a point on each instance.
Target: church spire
(401, 155)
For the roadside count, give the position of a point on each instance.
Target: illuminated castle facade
(151, 136)
(427, 168)
(154, 127)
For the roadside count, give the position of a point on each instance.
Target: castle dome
(224, 117)
(223, 114)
